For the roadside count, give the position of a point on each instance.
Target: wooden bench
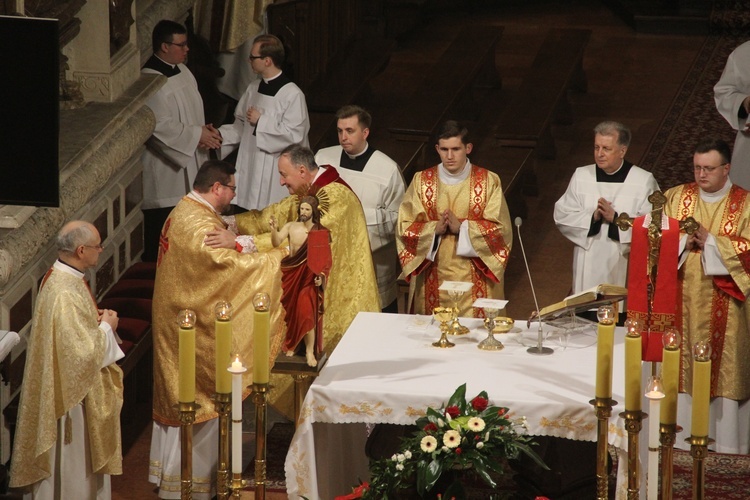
(131, 298)
(543, 96)
(347, 79)
(468, 62)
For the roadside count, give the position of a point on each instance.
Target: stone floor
(632, 77)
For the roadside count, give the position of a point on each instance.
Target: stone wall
(100, 173)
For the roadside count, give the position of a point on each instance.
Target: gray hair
(68, 240)
(300, 155)
(614, 128)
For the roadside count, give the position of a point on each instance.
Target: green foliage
(461, 435)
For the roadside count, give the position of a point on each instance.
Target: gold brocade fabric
(243, 20)
(190, 275)
(351, 285)
(478, 199)
(63, 368)
(708, 312)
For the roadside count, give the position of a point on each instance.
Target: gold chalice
(491, 343)
(503, 324)
(444, 315)
(456, 328)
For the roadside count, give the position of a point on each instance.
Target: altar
(385, 370)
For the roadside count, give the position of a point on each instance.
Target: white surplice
(598, 259)
(284, 121)
(380, 188)
(729, 92)
(172, 157)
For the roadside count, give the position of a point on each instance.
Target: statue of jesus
(302, 295)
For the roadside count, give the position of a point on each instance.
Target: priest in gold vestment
(351, 286)
(715, 282)
(454, 225)
(192, 275)
(67, 440)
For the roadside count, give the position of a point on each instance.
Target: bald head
(79, 244)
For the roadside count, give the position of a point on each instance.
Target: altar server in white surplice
(271, 115)
(379, 185)
(595, 196)
(67, 442)
(732, 96)
(181, 139)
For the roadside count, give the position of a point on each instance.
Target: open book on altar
(585, 300)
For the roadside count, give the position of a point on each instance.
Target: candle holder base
(699, 452)
(667, 435)
(187, 418)
(260, 398)
(603, 409)
(237, 485)
(633, 424)
(223, 405)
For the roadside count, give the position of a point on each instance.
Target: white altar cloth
(385, 370)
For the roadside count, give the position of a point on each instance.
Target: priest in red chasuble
(454, 224)
(714, 275)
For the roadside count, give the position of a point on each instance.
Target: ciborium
(490, 343)
(444, 315)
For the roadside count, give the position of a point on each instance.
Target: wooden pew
(348, 76)
(468, 62)
(543, 96)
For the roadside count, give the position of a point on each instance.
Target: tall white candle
(654, 393)
(237, 369)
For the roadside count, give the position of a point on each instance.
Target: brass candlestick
(603, 408)
(187, 418)
(667, 434)
(223, 405)
(633, 424)
(260, 397)
(699, 452)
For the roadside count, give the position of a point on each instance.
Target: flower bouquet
(461, 435)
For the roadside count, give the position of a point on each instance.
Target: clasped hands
(108, 316)
(447, 222)
(697, 240)
(604, 210)
(210, 137)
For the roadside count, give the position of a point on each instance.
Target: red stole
(664, 311)
(329, 175)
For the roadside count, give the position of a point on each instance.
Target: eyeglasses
(252, 57)
(98, 247)
(181, 45)
(707, 170)
(233, 188)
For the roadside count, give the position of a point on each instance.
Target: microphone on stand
(539, 348)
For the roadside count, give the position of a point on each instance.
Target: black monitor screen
(29, 114)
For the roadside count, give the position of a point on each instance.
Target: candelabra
(223, 404)
(260, 397)
(603, 408)
(699, 452)
(187, 418)
(633, 424)
(667, 438)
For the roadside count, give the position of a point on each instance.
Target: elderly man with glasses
(714, 278)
